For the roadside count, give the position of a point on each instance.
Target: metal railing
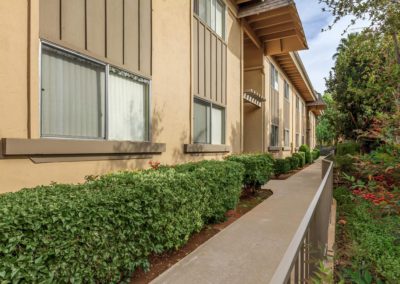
(309, 245)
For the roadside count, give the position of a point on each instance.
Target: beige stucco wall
(171, 99)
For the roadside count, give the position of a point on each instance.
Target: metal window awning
(274, 25)
(253, 97)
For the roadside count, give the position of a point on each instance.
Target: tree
(329, 123)
(363, 82)
(384, 16)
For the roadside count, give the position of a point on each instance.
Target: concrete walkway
(250, 249)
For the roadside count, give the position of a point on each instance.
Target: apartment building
(95, 86)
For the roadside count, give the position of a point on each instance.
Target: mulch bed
(288, 175)
(161, 262)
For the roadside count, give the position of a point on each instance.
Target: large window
(274, 135)
(208, 123)
(212, 12)
(81, 98)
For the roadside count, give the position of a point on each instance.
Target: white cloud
(322, 45)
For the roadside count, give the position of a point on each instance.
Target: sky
(322, 45)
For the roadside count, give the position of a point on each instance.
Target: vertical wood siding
(286, 113)
(209, 63)
(116, 31)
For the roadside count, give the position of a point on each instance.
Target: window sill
(286, 149)
(206, 148)
(274, 148)
(47, 150)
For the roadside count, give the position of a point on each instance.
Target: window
(286, 135)
(287, 90)
(75, 102)
(302, 140)
(274, 78)
(274, 135)
(297, 103)
(297, 140)
(213, 13)
(208, 123)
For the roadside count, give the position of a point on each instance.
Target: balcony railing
(309, 245)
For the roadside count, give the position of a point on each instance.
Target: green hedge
(302, 158)
(258, 168)
(294, 162)
(281, 166)
(102, 230)
(349, 147)
(315, 154)
(306, 150)
(223, 180)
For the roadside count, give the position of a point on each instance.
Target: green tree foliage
(329, 123)
(384, 15)
(363, 83)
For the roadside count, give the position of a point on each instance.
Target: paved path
(250, 249)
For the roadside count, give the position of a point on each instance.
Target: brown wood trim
(82, 158)
(31, 147)
(206, 148)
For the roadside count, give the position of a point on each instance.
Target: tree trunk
(396, 47)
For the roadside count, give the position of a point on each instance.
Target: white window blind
(217, 124)
(201, 121)
(220, 19)
(127, 106)
(73, 96)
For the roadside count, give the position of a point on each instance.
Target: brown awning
(273, 24)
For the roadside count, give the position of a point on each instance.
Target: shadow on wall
(234, 39)
(235, 138)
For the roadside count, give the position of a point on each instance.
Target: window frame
(208, 22)
(274, 78)
(286, 131)
(107, 67)
(286, 91)
(209, 124)
(274, 141)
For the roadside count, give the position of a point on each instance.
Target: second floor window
(213, 13)
(287, 90)
(274, 78)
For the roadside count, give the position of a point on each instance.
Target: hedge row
(258, 168)
(104, 229)
(306, 150)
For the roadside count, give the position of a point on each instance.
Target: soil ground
(161, 262)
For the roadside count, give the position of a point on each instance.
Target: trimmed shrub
(258, 168)
(306, 150)
(349, 147)
(315, 154)
(302, 158)
(104, 229)
(223, 180)
(281, 166)
(294, 162)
